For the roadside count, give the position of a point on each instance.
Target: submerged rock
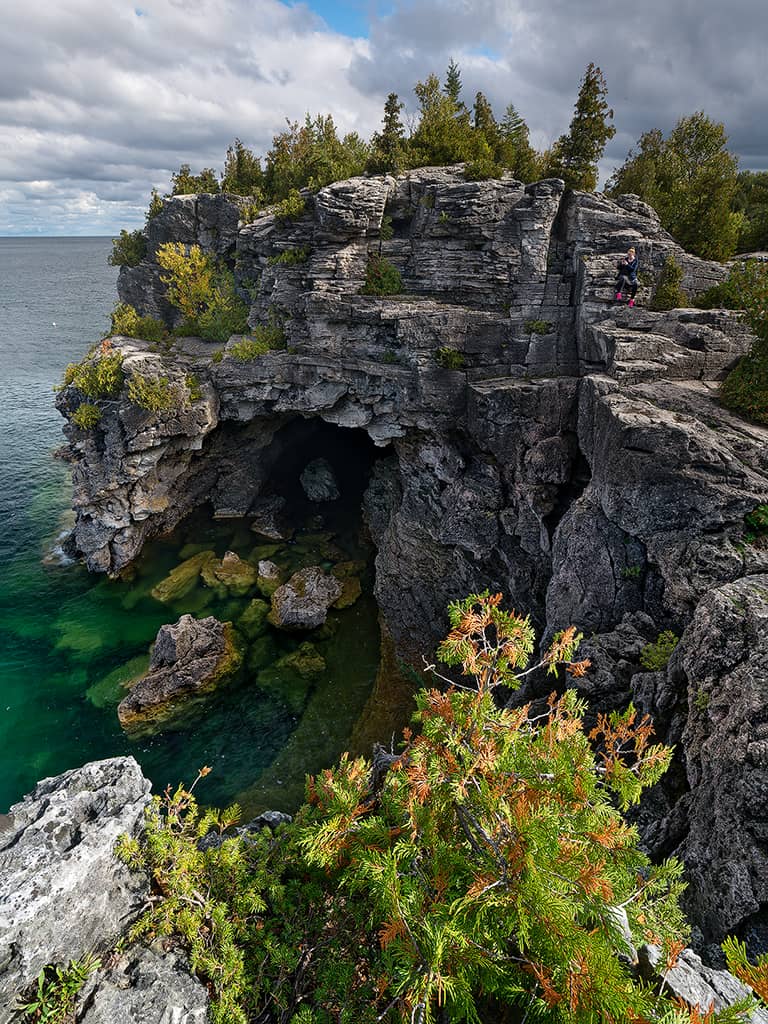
(350, 592)
(190, 657)
(269, 577)
(180, 581)
(62, 890)
(230, 575)
(269, 519)
(303, 602)
(319, 481)
(253, 622)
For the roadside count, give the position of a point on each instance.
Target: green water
(69, 640)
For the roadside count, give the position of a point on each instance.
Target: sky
(101, 100)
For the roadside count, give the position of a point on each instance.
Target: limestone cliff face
(578, 461)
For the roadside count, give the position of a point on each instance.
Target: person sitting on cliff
(627, 276)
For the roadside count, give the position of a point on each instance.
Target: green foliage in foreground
(450, 358)
(86, 416)
(381, 278)
(486, 865)
(128, 249)
(56, 989)
(668, 293)
(745, 389)
(99, 376)
(654, 657)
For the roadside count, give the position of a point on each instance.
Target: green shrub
(249, 212)
(488, 860)
(745, 389)
(538, 327)
(381, 278)
(668, 293)
(128, 249)
(631, 572)
(126, 321)
(757, 523)
(193, 387)
(247, 349)
(291, 207)
(389, 358)
(99, 376)
(482, 169)
(54, 995)
(290, 257)
(155, 394)
(720, 296)
(387, 231)
(156, 204)
(86, 416)
(217, 356)
(203, 290)
(450, 358)
(654, 657)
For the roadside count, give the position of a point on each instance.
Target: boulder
(62, 890)
(190, 657)
(303, 602)
(319, 481)
(269, 577)
(230, 575)
(269, 519)
(145, 985)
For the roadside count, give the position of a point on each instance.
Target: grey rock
(189, 657)
(319, 482)
(303, 602)
(696, 984)
(269, 518)
(147, 985)
(62, 890)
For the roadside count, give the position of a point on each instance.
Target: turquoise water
(69, 640)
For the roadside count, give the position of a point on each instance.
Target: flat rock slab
(62, 890)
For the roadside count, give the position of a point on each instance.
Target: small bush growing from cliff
(668, 293)
(654, 657)
(488, 860)
(155, 394)
(757, 523)
(745, 389)
(55, 993)
(247, 349)
(249, 212)
(97, 377)
(482, 169)
(126, 321)
(538, 326)
(203, 291)
(381, 278)
(264, 338)
(86, 416)
(128, 249)
(450, 358)
(291, 207)
(290, 257)
(193, 387)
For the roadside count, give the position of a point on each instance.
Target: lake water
(69, 640)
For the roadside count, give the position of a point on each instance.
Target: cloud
(101, 100)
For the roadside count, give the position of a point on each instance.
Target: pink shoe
(618, 296)
(631, 302)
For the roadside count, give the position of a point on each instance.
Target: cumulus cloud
(102, 99)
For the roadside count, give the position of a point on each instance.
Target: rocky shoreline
(574, 457)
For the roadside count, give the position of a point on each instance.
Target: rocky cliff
(577, 460)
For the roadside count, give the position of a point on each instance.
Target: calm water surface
(70, 640)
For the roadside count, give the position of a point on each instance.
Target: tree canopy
(690, 179)
(575, 155)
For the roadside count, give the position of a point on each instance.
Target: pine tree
(443, 134)
(388, 146)
(574, 156)
(515, 151)
(242, 174)
(184, 183)
(452, 87)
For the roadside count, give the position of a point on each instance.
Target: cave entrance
(320, 472)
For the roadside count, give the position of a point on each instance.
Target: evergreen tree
(574, 156)
(515, 151)
(184, 183)
(485, 123)
(690, 178)
(443, 134)
(452, 87)
(242, 173)
(751, 201)
(388, 145)
(311, 155)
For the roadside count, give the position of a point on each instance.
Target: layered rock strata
(576, 458)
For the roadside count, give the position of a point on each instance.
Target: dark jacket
(628, 268)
